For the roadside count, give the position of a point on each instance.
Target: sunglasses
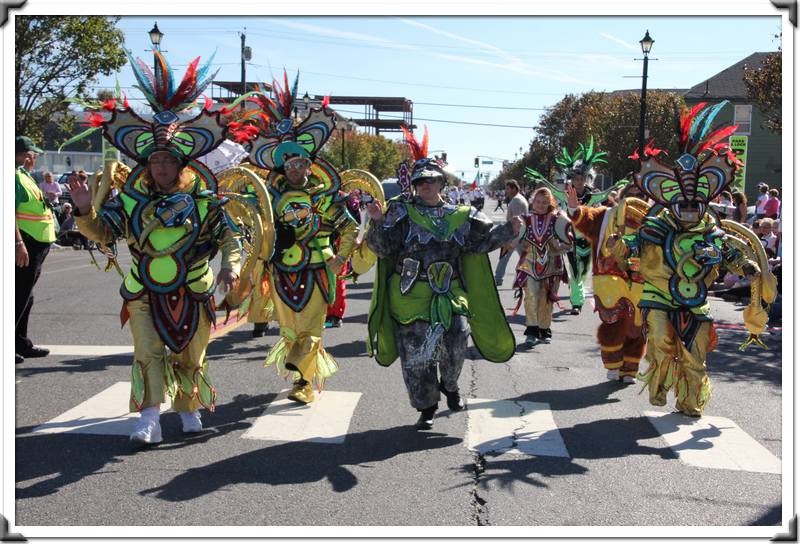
(297, 165)
(420, 181)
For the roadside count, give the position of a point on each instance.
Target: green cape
(491, 333)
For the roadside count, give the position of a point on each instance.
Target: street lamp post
(647, 44)
(155, 39)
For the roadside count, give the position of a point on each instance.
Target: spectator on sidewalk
(740, 203)
(761, 201)
(773, 206)
(33, 233)
(50, 188)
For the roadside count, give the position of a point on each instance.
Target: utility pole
(244, 49)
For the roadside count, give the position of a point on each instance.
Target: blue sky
(510, 67)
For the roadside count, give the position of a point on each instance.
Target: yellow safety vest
(33, 216)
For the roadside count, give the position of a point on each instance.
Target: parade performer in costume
(548, 235)
(307, 208)
(681, 247)
(579, 171)
(434, 285)
(335, 312)
(617, 289)
(173, 221)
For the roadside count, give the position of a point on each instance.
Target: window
(743, 116)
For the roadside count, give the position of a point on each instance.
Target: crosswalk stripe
(325, 420)
(218, 330)
(713, 442)
(105, 413)
(89, 351)
(520, 427)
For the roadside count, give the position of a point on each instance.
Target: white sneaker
(146, 431)
(612, 375)
(628, 379)
(191, 422)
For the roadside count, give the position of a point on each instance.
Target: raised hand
(572, 197)
(79, 191)
(375, 211)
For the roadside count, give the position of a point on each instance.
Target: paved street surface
(546, 439)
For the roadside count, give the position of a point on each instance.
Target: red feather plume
(418, 151)
(687, 116)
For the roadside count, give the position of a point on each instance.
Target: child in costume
(617, 289)
(308, 207)
(547, 236)
(681, 247)
(579, 171)
(434, 286)
(173, 221)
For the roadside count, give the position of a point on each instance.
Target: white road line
(713, 442)
(89, 351)
(325, 420)
(104, 413)
(520, 427)
(44, 272)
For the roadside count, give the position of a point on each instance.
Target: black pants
(26, 278)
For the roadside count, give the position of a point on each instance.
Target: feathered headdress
(138, 137)
(703, 170)
(581, 162)
(423, 166)
(271, 131)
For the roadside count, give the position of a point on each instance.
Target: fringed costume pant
(340, 304)
(538, 303)
(299, 349)
(160, 367)
(672, 365)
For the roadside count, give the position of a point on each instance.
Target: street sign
(487, 162)
(738, 145)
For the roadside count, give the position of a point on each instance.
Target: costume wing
(363, 258)
(764, 288)
(252, 217)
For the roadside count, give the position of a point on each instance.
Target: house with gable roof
(763, 155)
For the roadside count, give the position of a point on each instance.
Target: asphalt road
(619, 471)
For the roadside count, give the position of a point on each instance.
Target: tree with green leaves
(611, 118)
(60, 57)
(763, 84)
(374, 153)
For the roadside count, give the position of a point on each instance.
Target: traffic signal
(444, 157)
(477, 162)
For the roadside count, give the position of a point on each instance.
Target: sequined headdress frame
(704, 169)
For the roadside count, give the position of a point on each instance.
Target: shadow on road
(755, 364)
(74, 366)
(58, 460)
(301, 462)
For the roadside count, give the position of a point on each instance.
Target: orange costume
(616, 290)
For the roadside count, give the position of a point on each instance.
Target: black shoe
(576, 310)
(333, 322)
(18, 359)
(259, 329)
(545, 335)
(454, 401)
(532, 330)
(34, 352)
(425, 421)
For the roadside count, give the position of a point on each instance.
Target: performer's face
(428, 189)
(297, 171)
(579, 182)
(164, 169)
(540, 204)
